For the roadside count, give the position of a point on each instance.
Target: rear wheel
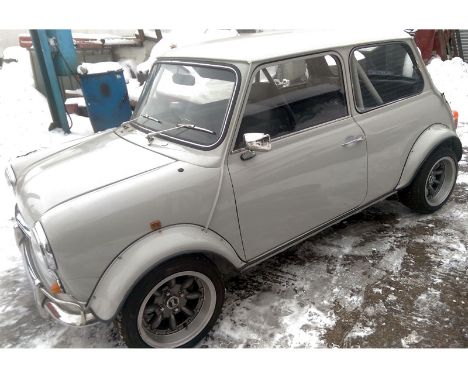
(175, 305)
(434, 182)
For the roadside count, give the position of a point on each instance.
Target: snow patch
(359, 331)
(392, 261)
(134, 90)
(429, 302)
(99, 67)
(377, 309)
(268, 320)
(351, 301)
(462, 178)
(80, 101)
(411, 339)
(391, 297)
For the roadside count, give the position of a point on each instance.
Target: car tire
(175, 305)
(434, 182)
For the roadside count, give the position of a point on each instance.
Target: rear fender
(146, 253)
(431, 138)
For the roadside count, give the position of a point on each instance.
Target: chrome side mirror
(257, 142)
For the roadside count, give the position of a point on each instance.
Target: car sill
(310, 233)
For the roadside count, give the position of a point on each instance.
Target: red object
(25, 41)
(435, 41)
(425, 40)
(455, 118)
(71, 108)
(55, 288)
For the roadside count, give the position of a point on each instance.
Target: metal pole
(158, 35)
(53, 91)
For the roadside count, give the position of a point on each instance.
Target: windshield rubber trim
(229, 110)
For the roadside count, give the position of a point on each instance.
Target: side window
(383, 74)
(294, 95)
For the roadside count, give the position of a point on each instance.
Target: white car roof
(257, 47)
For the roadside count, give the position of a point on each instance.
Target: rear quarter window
(383, 74)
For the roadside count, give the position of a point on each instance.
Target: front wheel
(434, 182)
(175, 305)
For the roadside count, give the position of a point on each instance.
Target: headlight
(45, 246)
(10, 176)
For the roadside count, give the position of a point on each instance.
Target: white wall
(9, 37)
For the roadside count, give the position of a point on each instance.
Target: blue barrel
(106, 99)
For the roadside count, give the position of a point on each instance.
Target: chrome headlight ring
(46, 250)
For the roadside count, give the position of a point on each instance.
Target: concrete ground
(386, 277)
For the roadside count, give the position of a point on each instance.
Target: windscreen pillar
(45, 61)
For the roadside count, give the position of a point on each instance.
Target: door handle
(355, 140)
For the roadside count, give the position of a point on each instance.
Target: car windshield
(190, 101)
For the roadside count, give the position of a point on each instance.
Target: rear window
(383, 74)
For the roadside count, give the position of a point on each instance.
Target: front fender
(431, 138)
(146, 253)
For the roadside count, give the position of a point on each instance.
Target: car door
(317, 167)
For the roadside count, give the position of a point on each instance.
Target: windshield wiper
(150, 136)
(150, 118)
(128, 123)
(195, 127)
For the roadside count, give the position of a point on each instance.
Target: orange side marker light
(455, 118)
(55, 288)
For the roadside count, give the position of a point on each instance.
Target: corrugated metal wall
(464, 42)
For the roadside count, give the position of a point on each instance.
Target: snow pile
(25, 119)
(134, 89)
(80, 101)
(451, 78)
(129, 67)
(170, 41)
(99, 67)
(17, 73)
(182, 38)
(158, 50)
(132, 71)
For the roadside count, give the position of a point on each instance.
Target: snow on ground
(386, 277)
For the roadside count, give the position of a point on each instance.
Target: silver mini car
(237, 150)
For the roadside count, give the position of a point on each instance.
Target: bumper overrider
(62, 307)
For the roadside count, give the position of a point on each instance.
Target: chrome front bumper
(67, 312)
